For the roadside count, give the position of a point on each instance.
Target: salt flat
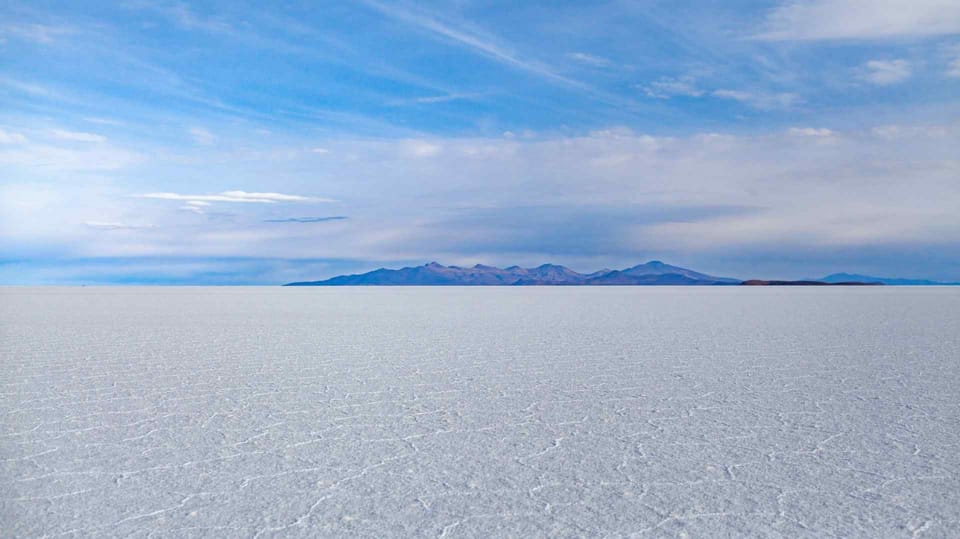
(480, 412)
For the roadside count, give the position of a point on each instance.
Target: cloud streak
(39, 33)
(77, 136)
(810, 132)
(667, 87)
(307, 219)
(202, 136)
(235, 196)
(479, 42)
(590, 59)
(887, 72)
(760, 100)
(469, 38)
(953, 64)
(10, 137)
(103, 225)
(431, 99)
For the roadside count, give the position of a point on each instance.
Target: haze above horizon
(157, 142)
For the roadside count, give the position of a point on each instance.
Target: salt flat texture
(480, 412)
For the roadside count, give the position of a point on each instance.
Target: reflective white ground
(480, 412)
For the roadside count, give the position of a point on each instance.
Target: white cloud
(474, 39)
(467, 37)
(445, 98)
(37, 33)
(9, 137)
(431, 99)
(887, 131)
(760, 100)
(887, 72)
(102, 225)
(88, 157)
(202, 136)
(102, 121)
(234, 196)
(953, 69)
(911, 132)
(590, 59)
(30, 88)
(422, 148)
(183, 16)
(953, 64)
(810, 132)
(861, 19)
(77, 136)
(667, 87)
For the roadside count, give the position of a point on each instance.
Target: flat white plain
(480, 412)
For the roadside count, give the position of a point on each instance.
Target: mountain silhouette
(433, 274)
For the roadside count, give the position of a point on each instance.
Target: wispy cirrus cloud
(887, 72)
(199, 204)
(860, 19)
(236, 196)
(102, 121)
(105, 225)
(30, 88)
(667, 87)
(202, 136)
(307, 219)
(11, 137)
(953, 69)
(810, 132)
(185, 17)
(77, 136)
(71, 157)
(686, 86)
(466, 36)
(474, 39)
(953, 62)
(590, 59)
(760, 100)
(431, 99)
(43, 34)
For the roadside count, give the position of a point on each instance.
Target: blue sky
(250, 143)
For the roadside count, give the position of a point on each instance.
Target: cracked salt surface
(480, 412)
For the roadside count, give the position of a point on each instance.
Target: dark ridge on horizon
(896, 281)
(760, 282)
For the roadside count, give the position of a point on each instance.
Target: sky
(232, 142)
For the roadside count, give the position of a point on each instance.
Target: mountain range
(896, 281)
(434, 274)
(652, 273)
